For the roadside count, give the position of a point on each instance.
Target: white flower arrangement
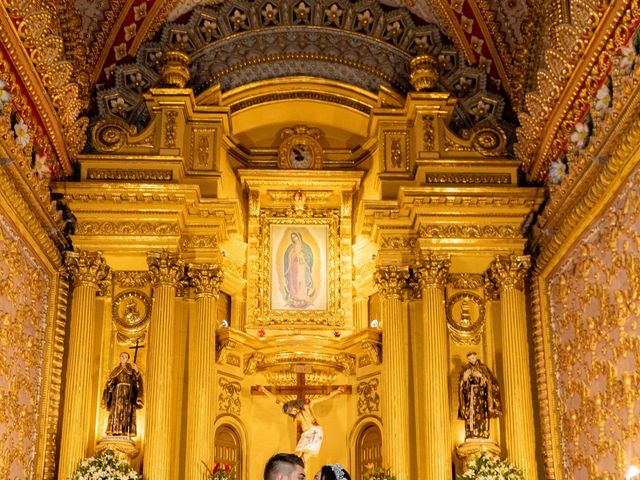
(487, 466)
(104, 466)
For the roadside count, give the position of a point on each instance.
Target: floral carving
(87, 267)
(24, 287)
(509, 271)
(368, 397)
(229, 399)
(391, 280)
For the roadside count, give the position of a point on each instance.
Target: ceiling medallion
(465, 317)
(300, 149)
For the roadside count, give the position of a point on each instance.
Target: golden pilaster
(390, 281)
(87, 271)
(166, 270)
(201, 406)
(508, 273)
(436, 424)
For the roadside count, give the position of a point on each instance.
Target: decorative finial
(175, 70)
(424, 72)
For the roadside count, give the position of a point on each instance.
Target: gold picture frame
(300, 276)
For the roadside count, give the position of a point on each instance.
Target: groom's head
(284, 466)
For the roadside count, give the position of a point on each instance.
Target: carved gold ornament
(424, 72)
(465, 317)
(131, 311)
(368, 397)
(300, 148)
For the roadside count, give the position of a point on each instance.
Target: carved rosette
(391, 280)
(206, 278)
(432, 270)
(165, 268)
(509, 271)
(87, 268)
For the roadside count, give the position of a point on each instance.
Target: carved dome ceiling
(366, 44)
(536, 63)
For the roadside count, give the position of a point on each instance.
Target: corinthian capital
(391, 279)
(509, 270)
(86, 268)
(206, 278)
(433, 270)
(165, 268)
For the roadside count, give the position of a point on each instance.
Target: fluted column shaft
(508, 273)
(87, 271)
(166, 270)
(395, 372)
(201, 409)
(432, 275)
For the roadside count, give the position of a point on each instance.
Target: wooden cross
(301, 390)
(136, 348)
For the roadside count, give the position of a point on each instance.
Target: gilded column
(166, 270)
(508, 273)
(390, 281)
(87, 270)
(432, 275)
(201, 405)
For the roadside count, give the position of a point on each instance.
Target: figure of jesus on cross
(301, 410)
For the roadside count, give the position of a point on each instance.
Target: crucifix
(310, 433)
(136, 348)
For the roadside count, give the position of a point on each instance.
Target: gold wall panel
(594, 297)
(24, 287)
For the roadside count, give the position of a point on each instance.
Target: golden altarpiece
(320, 198)
(182, 231)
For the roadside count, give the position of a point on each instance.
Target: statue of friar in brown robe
(122, 395)
(479, 396)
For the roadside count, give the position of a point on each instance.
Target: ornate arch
(359, 43)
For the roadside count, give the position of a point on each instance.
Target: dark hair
(279, 463)
(299, 404)
(327, 472)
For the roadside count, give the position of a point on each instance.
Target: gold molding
(51, 388)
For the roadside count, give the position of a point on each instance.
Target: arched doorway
(368, 449)
(228, 448)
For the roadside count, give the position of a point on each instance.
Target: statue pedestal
(475, 446)
(123, 447)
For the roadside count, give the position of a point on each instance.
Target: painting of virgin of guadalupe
(299, 267)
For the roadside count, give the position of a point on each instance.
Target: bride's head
(334, 471)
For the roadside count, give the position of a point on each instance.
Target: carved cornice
(206, 278)
(25, 212)
(391, 280)
(455, 178)
(126, 228)
(549, 242)
(433, 270)
(165, 268)
(128, 175)
(86, 268)
(509, 271)
(453, 230)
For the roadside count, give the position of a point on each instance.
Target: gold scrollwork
(368, 397)
(229, 398)
(110, 135)
(131, 312)
(465, 317)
